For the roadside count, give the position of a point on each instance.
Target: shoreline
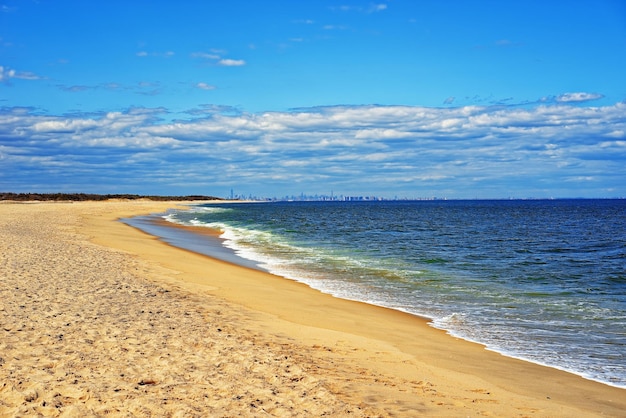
(163, 230)
(368, 359)
(197, 239)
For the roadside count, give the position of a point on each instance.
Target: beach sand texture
(97, 318)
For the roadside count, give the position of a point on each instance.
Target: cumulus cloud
(375, 149)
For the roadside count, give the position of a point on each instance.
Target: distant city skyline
(368, 197)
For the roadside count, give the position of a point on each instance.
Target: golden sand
(97, 318)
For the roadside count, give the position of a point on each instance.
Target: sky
(388, 98)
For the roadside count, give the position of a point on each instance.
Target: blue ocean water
(540, 280)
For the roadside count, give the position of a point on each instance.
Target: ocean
(539, 280)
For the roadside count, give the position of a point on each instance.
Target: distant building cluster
(321, 198)
(305, 198)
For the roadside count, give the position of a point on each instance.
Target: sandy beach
(98, 318)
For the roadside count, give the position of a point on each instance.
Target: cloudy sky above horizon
(457, 99)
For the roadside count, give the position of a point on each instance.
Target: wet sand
(98, 318)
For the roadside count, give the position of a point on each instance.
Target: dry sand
(97, 318)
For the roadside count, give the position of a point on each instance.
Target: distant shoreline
(81, 197)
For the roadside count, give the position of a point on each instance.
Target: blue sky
(457, 99)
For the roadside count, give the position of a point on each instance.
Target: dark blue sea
(540, 280)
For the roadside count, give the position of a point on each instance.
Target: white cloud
(166, 54)
(578, 97)
(66, 125)
(380, 133)
(216, 56)
(377, 8)
(227, 62)
(205, 86)
(8, 73)
(205, 55)
(372, 8)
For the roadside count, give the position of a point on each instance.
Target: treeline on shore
(77, 197)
